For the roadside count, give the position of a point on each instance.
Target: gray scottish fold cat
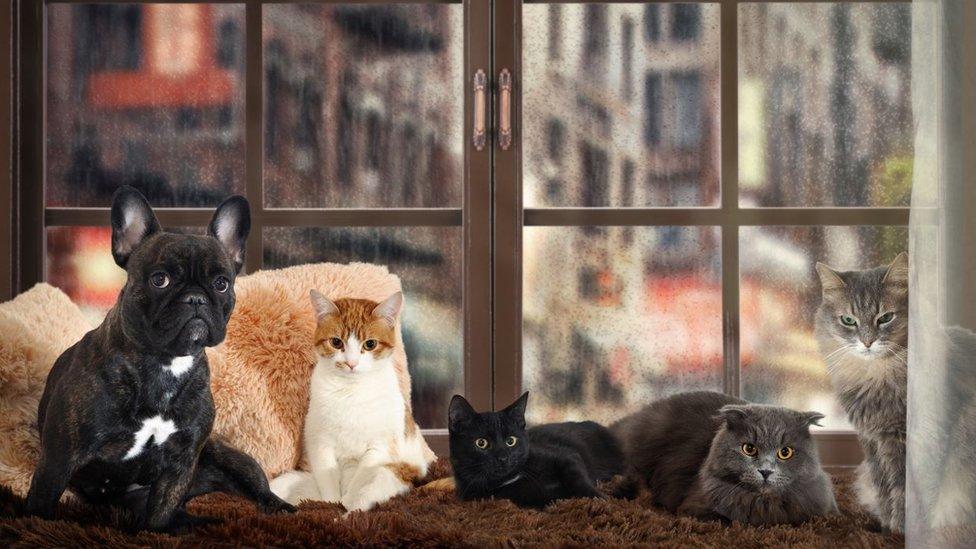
(711, 455)
(862, 330)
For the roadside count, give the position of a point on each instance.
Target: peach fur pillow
(35, 328)
(259, 375)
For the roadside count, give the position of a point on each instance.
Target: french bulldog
(126, 413)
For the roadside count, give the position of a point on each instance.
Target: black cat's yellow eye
(336, 343)
(785, 453)
(511, 441)
(370, 344)
(749, 450)
(886, 318)
(481, 443)
(848, 320)
(159, 279)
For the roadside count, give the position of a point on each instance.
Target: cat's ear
(829, 279)
(807, 419)
(389, 310)
(322, 305)
(897, 271)
(516, 410)
(459, 413)
(734, 415)
(132, 222)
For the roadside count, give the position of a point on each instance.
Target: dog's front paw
(273, 504)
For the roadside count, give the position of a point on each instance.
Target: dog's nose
(765, 473)
(194, 298)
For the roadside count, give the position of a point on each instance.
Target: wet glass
(614, 317)
(779, 295)
(428, 262)
(148, 95)
(363, 105)
(825, 114)
(605, 84)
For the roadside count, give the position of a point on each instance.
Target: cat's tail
(446, 483)
(622, 486)
(295, 486)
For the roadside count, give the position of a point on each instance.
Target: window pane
(612, 96)
(148, 95)
(363, 105)
(79, 261)
(825, 104)
(617, 316)
(428, 262)
(779, 296)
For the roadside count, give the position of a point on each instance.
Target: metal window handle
(504, 109)
(480, 109)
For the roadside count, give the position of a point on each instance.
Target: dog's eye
(481, 443)
(159, 279)
(221, 284)
(370, 344)
(336, 343)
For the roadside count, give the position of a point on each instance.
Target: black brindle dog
(126, 414)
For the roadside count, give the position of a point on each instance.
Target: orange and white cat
(361, 442)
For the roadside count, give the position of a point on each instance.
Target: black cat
(493, 455)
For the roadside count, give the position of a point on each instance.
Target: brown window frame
(491, 214)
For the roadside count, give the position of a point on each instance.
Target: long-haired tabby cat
(711, 455)
(862, 330)
(494, 455)
(360, 438)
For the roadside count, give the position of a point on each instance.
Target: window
(685, 21)
(652, 109)
(687, 110)
(627, 61)
(596, 36)
(555, 32)
(652, 22)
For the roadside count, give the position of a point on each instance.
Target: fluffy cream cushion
(259, 375)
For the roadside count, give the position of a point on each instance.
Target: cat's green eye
(749, 450)
(336, 343)
(886, 318)
(848, 320)
(481, 443)
(370, 344)
(785, 453)
(511, 441)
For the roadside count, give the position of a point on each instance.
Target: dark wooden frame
(491, 215)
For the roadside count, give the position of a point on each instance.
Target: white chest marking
(155, 428)
(180, 365)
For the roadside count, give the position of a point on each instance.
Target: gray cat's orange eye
(511, 441)
(749, 450)
(336, 342)
(785, 453)
(481, 443)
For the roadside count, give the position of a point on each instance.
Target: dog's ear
(132, 222)
(230, 225)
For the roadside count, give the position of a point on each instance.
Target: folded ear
(810, 418)
(230, 225)
(734, 415)
(516, 410)
(132, 222)
(322, 305)
(898, 270)
(829, 279)
(459, 413)
(389, 310)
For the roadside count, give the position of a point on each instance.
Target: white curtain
(941, 446)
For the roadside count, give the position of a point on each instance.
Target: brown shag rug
(435, 518)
